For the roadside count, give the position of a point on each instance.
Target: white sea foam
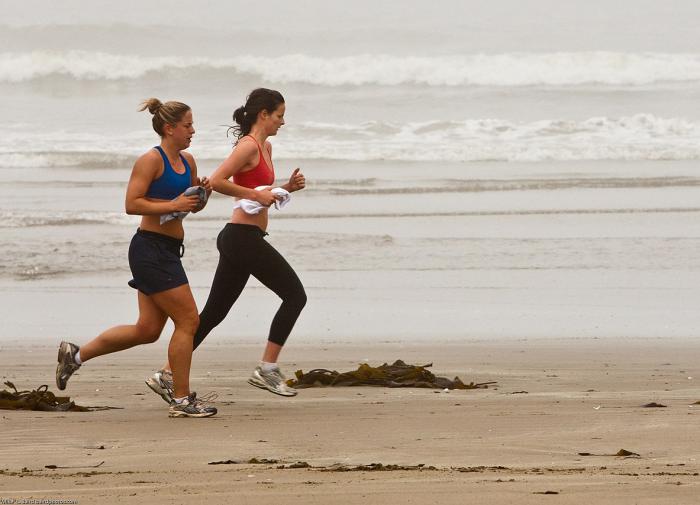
(638, 137)
(505, 69)
(17, 219)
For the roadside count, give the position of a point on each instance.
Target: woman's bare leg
(146, 330)
(179, 305)
(271, 353)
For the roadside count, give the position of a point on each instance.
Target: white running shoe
(273, 381)
(161, 383)
(66, 363)
(191, 407)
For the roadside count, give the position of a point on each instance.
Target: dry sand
(507, 444)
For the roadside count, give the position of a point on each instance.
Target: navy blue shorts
(155, 262)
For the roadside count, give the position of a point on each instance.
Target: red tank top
(261, 175)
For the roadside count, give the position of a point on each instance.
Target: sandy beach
(508, 190)
(511, 443)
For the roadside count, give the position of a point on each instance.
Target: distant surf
(637, 137)
(506, 69)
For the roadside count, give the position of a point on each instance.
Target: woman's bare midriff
(172, 228)
(259, 220)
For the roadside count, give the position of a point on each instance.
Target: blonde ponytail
(164, 113)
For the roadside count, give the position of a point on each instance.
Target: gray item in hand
(191, 191)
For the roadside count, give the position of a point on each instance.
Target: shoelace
(203, 401)
(209, 397)
(281, 378)
(276, 374)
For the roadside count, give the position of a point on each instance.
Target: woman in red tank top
(261, 175)
(243, 250)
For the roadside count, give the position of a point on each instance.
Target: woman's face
(181, 133)
(273, 121)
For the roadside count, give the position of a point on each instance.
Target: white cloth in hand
(253, 207)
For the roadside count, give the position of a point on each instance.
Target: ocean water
(530, 168)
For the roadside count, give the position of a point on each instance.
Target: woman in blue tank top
(157, 187)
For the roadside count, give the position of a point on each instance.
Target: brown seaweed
(372, 467)
(396, 375)
(627, 454)
(621, 453)
(37, 399)
(262, 461)
(653, 405)
(298, 464)
(54, 467)
(376, 467)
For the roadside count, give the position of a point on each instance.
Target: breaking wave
(637, 137)
(505, 69)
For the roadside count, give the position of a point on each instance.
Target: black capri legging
(243, 251)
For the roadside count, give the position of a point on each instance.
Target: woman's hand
(296, 182)
(185, 203)
(205, 183)
(265, 197)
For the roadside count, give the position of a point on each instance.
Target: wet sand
(555, 399)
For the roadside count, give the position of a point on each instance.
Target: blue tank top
(170, 184)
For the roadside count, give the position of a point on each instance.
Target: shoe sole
(262, 385)
(183, 414)
(158, 390)
(58, 358)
